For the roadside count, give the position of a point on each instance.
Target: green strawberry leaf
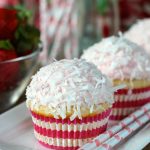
(102, 6)
(27, 37)
(6, 44)
(23, 13)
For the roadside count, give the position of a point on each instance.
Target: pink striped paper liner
(127, 101)
(65, 134)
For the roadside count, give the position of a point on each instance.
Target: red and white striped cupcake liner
(68, 135)
(127, 101)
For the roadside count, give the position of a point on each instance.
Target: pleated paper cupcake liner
(127, 101)
(65, 134)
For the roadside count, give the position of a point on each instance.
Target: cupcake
(126, 63)
(70, 103)
(140, 34)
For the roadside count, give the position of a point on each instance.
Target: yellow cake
(132, 83)
(85, 111)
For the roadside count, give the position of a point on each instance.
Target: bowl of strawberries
(19, 50)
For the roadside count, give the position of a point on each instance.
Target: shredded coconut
(119, 58)
(140, 34)
(69, 84)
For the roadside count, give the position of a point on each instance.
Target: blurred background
(55, 29)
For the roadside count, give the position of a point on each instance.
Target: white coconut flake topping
(119, 58)
(140, 34)
(69, 83)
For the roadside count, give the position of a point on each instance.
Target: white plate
(16, 128)
(16, 132)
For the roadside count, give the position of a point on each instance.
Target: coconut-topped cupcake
(140, 34)
(120, 59)
(125, 63)
(68, 85)
(69, 92)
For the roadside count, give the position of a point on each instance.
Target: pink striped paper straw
(43, 25)
(55, 14)
(125, 132)
(115, 129)
(75, 35)
(71, 49)
(68, 47)
(62, 30)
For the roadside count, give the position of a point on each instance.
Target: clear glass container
(15, 74)
(101, 19)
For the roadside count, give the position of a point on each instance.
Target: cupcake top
(68, 83)
(140, 34)
(119, 58)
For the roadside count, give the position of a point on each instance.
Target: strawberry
(17, 38)
(27, 36)
(8, 23)
(7, 55)
(8, 70)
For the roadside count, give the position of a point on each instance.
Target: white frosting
(67, 83)
(119, 58)
(140, 34)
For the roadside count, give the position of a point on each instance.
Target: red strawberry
(7, 55)
(8, 23)
(8, 70)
